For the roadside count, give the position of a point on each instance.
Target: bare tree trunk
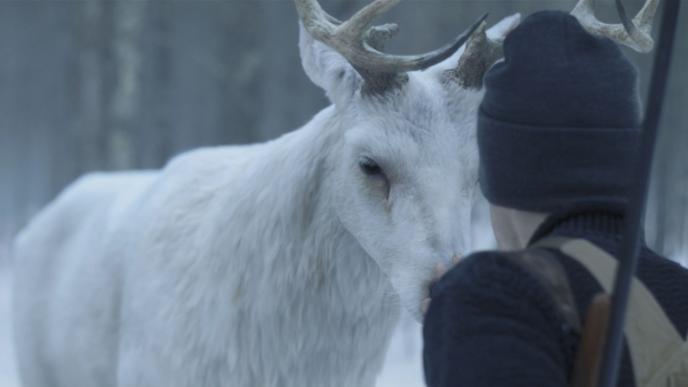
(124, 106)
(669, 205)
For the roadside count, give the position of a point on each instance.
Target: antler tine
(377, 36)
(583, 9)
(358, 24)
(632, 33)
(315, 20)
(359, 43)
(367, 57)
(415, 62)
(629, 26)
(480, 53)
(643, 20)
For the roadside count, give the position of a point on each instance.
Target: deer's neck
(331, 299)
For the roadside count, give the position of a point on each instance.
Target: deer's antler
(635, 33)
(360, 43)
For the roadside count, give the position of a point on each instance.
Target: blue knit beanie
(559, 123)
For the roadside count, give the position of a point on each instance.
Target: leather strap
(657, 349)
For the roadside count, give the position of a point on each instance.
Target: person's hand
(439, 270)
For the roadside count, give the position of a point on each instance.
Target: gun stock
(589, 356)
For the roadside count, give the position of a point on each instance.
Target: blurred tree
(668, 218)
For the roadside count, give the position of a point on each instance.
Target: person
(558, 128)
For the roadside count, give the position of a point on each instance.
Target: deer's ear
(328, 69)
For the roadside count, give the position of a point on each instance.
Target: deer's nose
(443, 267)
(448, 263)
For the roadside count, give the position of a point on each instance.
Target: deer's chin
(411, 297)
(415, 311)
(413, 306)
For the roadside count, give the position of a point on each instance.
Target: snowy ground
(402, 366)
(8, 375)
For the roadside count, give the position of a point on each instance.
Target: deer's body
(277, 264)
(227, 268)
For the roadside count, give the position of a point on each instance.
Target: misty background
(111, 85)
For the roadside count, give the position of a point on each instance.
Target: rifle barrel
(636, 210)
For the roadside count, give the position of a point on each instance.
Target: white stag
(276, 264)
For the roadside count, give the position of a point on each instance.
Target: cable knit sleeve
(490, 323)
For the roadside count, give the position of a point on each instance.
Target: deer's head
(406, 166)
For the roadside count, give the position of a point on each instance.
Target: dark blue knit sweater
(490, 323)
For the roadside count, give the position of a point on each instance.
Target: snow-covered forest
(110, 85)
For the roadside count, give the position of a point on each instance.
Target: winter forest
(113, 85)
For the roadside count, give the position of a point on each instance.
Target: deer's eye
(375, 174)
(370, 167)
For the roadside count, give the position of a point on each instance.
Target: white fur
(276, 264)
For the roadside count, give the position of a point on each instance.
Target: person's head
(558, 126)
